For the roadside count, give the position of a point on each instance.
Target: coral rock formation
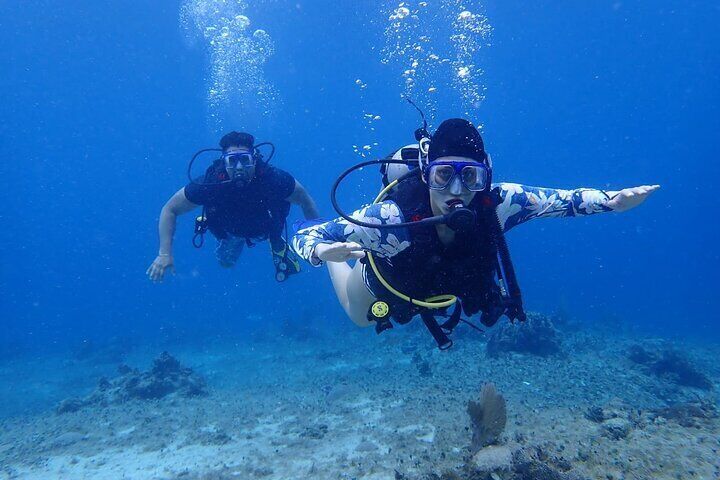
(670, 365)
(167, 377)
(536, 336)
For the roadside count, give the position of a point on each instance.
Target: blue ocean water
(103, 104)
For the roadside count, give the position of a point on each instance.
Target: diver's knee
(358, 312)
(360, 320)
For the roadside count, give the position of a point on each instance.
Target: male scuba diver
(434, 238)
(244, 201)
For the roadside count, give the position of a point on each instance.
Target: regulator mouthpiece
(460, 218)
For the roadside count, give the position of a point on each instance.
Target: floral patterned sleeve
(522, 203)
(385, 242)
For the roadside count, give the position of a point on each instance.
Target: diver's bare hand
(339, 251)
(157, 269)
(628, 198)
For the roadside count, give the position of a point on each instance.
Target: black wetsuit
(466, 268)
(255, 211)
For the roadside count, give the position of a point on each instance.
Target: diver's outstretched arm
(301, 197)
(177, 205)
(628, 198)
(383, 242)
(521, 203)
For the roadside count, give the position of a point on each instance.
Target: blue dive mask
(474, 176)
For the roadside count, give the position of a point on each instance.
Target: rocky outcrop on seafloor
(669, 365)
(614, 421)
(509, 463)
(617, 421)
(167, 377)
(688, 414)
(536, 336)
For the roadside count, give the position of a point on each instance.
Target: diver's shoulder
(275, 173)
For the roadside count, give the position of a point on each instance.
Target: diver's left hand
(628, 198)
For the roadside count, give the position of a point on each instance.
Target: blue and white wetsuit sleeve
(385, 242)
(521, 203)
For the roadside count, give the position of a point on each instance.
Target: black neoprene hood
(457, 137)
(237, 139)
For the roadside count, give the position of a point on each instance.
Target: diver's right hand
(156, 271)
(338, 251)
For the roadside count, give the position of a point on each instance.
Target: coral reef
(536, 336)
(488, 417)
(616, 428)
(618, 421)
(534, 463)
(167, 377)
(690, 415)
(516, 463)
(615, 421)
(353, 408)
(670, 365)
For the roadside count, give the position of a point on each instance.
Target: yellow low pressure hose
(438, 301)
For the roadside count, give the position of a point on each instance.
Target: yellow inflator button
(380, 309)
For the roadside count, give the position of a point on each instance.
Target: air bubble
(242, 21)
(400, 13)
(436, 46)
(237, 83)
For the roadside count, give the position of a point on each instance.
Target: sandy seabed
(366, 407)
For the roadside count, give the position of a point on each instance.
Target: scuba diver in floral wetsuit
(435, 237)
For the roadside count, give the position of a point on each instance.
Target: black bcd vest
(274, 224)
(467, 268)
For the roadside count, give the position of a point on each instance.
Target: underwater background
(104, 103)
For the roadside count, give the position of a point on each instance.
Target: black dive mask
(239, 165)
(235, 164)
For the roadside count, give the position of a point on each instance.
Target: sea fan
(488, 417)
